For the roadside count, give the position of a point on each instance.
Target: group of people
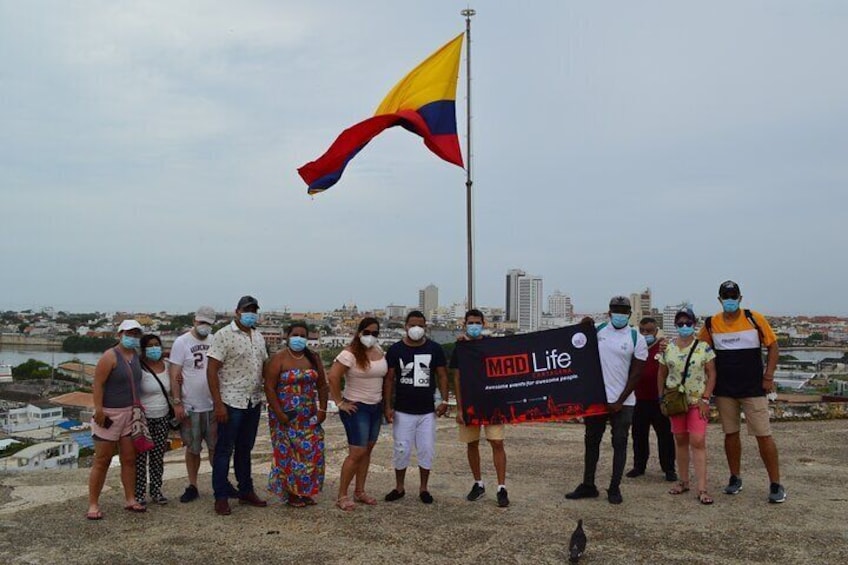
(721, 362)
(212, 387)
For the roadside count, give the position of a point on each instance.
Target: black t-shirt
(415, 375)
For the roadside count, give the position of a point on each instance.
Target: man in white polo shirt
(623, 352)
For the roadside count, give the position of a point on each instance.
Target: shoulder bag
(675, 400)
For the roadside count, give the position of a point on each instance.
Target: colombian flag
(423, 102)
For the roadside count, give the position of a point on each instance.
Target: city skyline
(149, 152)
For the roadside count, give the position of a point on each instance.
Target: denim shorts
(363, 427)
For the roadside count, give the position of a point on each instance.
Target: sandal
(295, 501)
(346, 504)
(704, 497)
(308, 500)
(679, 488)
(365, 498)
(94, 515)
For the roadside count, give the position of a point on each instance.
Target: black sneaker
(503, 498)
(633, 473)
(777, 494)
(671, 476)
(734, 485)
(614, 495)
(476, 492)
(583, 491)
(189, 494)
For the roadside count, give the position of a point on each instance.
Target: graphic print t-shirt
(189, 353)
(415, 375)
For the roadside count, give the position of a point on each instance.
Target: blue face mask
(730, 305)
(130, 342)
(153, 353)
(685, 331)
(297, 343)
(474, 330)
(650, 339)
(619, 321)
(249, 319)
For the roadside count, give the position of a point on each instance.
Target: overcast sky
(148, 153)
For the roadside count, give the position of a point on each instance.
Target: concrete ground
(42, 513)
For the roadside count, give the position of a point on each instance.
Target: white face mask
(368, 341)
(203, 330)
(415, 333)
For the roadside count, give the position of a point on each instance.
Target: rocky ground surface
(42, 513)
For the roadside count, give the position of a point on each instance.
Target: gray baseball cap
(205, 314)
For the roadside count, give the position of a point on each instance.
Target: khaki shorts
(756, 414)
(199, 427)
(470, 434)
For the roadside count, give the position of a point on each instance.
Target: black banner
(541, 376)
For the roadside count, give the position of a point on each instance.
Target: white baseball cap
(205, 314)
(128, 325)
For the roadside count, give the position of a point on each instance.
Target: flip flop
(96, 515)
(679, 488)
(138, 508)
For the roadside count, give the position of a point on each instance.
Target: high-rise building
(511, 305)
(428, 300)
(560, 306)
(529, 303)
(641, 304)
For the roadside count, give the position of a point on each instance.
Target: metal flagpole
(468, 182)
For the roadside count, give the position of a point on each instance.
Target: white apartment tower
(529, 303)
(560, 306)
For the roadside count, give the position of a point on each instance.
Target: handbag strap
(155, 376)
(130, 375)
(688, 358)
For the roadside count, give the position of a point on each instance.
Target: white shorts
(414, 431)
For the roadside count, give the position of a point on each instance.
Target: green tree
(32, 369)
(85, 344)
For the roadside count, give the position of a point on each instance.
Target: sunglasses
(687, 324)
(375, 333)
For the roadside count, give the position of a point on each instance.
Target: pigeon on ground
(577, 545)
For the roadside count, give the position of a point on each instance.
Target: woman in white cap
(117, 380)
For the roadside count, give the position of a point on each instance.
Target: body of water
(812, 355)
(15, 357)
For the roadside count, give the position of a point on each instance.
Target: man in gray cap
(234, 372)
(623, 352)
(191, 397)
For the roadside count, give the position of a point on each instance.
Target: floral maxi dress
(298, 466)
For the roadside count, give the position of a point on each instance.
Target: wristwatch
(705, 400)
(177, 401)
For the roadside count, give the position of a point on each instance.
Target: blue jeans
(237, 435)
(363, 427)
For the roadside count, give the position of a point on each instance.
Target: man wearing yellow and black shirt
(737, 337)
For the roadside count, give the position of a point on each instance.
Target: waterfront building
(428, 300)
(560, 306)
(641, 304)
(529, 303)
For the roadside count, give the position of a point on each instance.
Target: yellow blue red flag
(423, 102)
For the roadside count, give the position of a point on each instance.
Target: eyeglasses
(687, 324)
(375, 333)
